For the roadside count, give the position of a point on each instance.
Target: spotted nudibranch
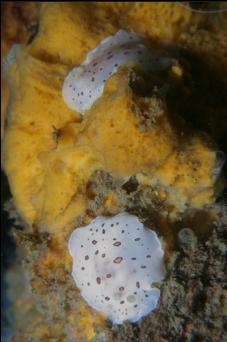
(116, 262)
(85, 84)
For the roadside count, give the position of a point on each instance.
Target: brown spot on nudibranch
(94, 242)
(118, 243)
(118, 260)
(98, 280)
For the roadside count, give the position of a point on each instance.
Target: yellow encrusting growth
(50, 153)
(112, 130)
(88, 320)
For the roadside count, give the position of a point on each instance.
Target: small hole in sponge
(131, 185)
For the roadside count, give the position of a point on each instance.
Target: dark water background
(8, 257)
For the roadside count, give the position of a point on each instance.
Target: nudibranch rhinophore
(85, 84)
(116, 261)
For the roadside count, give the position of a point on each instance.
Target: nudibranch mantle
(116, 261)
(85, 84)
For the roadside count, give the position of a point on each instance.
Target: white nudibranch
(85, 84)
(116, 262)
